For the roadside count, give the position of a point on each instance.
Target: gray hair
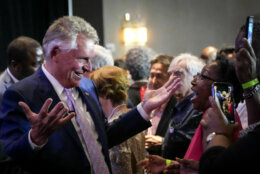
(63, 33)
(193, 64)
(102, 58)
(138, 62)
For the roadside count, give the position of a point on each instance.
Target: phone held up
(249, 28)
(223, 95)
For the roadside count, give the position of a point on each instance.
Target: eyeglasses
(200, 76)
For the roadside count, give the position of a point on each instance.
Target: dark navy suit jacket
(63, 152)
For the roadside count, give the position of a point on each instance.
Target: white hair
(193, 64)
(63, 34)
(102, 57)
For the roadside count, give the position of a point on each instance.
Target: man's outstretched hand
(45, 123)
(154, 98)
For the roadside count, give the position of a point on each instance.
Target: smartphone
(249, 28)
(223, 95)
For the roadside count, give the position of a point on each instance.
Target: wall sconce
(133, 33)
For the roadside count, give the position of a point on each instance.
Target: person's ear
(54, 53)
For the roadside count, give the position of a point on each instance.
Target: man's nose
(154, 80)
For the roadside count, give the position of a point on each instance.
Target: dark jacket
(63, 153)
(179, 133)
(134, 92)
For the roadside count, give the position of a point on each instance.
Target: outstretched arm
(155, 98)
(45, 123)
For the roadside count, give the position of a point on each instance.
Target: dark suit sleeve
(14, 127)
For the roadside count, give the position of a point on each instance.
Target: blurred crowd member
(242, 156)
(24, 56)
(227, 52)
(209, 54)
(256, 49)
(183, 118)
(102, 57)
(120, 63)
(138, 63)
(49, 124)
(221, 70)
(112, 85)
(160, 116)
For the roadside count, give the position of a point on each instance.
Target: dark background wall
(177, 26)
(28, 18)
(91, 11)
(33, 17)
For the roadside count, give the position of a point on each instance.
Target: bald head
(209, 54)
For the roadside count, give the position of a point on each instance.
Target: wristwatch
(213, 134)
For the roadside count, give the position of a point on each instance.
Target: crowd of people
(67, 106)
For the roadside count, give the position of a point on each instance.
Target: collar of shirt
(184, 103)
(59, 89)
(12, 77)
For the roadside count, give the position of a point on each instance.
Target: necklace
(115, 110)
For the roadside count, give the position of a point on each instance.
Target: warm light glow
(141, 34)
(136, 35)
(129, 35)
(127, 17)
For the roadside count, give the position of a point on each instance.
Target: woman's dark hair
(227, 73)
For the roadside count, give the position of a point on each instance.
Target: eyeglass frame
(201, 77)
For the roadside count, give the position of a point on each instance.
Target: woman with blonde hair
(112, 85)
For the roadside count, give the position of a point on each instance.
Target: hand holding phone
(249, 28)
(223, 95)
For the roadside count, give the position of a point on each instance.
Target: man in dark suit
(24, 57)
(36, 128)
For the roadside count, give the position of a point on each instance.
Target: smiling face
(68, 67)
(158, 76)
(201, 86)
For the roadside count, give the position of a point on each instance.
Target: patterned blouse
(125, 155)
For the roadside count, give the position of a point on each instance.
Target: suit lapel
(46, 91)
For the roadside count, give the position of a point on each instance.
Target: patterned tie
(94, 150)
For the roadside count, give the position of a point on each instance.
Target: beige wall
(177, 26)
